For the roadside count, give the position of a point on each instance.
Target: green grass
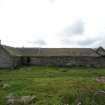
(54, 85)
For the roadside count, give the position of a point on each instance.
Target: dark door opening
(25, 60)
(28, 60)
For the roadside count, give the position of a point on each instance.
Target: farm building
(11, 57)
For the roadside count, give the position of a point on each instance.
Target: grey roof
(50, 51)
(57, 52)
(11, 50)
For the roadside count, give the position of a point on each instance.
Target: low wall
(69, 61)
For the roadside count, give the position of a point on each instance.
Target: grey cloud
(39, 42)
(67, 41)
(77, 28)
(85, 41)
(75, 35)
(99, 40)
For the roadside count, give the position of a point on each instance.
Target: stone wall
(6, 61)
(69, 61)
(16, 61)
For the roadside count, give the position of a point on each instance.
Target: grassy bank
(54, 85)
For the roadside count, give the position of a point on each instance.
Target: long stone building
(11, 57)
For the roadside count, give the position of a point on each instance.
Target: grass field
(54, 85)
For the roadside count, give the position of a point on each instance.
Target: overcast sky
(52, 23)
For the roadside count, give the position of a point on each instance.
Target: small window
(28, 60)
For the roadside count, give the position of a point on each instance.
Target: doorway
(25, 60)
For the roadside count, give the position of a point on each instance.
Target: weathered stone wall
(69, 61)
(90, 61)
(6, 61)
(16, 61)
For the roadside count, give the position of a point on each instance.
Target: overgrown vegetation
(54, 85)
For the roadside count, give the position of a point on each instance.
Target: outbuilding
(11, 57)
